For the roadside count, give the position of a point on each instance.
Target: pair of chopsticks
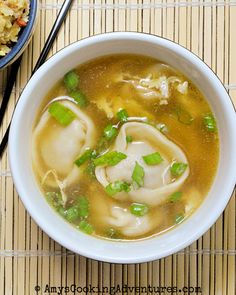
(14, 69)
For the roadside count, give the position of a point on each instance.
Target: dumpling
(52, 141)
(158, 182)
(127, 223)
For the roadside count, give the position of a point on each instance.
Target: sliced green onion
(72, 214)
(79, 98)
(54, 198)
(112, 233)
(110, 131)
(139, 209)
(86, 227)
(179, 217)
(90, 169)
(62, 211)
(87, 155)
(129, 138)
(122, 115)
(184, 116)
(153, 159)
(117, 187)
(62, 114)
(177, 169)
(110, 159)
(83, 207)
(175, 197)
(210, 123)
(71, 80)
(138, 175)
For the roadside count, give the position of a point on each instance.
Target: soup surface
(125, 147)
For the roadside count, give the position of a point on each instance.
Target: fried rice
(13, 16)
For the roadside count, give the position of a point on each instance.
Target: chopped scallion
(110, 159)
(138, 175)
(79, 98)
(139, 209)
(175, 197)
(110, 131)
(87, 155)
(83, 207)
(177, 169)
(153, 159)
(62, 114)
(117, 187)
(210, 123)
(54, 198)
(86, 227)
(90, 169)
(71, 80)
(122, 115)
(72, 214)
(184, 116)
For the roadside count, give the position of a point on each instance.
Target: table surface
(29, 260)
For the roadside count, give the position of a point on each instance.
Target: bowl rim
(54, 59)
(22, 42)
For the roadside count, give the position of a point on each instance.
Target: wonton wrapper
(127, 223)
(158, 183)
(56, 147)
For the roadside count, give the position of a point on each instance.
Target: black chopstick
(56, 27)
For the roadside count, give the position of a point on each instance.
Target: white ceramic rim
(121, 252)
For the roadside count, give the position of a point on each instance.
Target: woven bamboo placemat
(29, 260)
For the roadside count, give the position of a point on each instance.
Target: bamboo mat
(28, 257)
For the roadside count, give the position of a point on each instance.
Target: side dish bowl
(20, 144)
(23, 39)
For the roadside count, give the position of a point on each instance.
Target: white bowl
(20, 145)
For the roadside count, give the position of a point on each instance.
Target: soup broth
(125, 147)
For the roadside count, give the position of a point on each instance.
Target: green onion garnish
(153, 159)
(90, 169)
(110, 131)
(72, 213)
(138, 174)
(54, 198)
(122, 115)
(179, 217)
(117, 187)
(86, 227)
(139, 209)
(129, 138)
(62, 114)
(177, 169)
(62, 211)
(110, 159)
(175, 197)
(184, 116)
(210, 123)
(71, 80)
(87, 155)
(79, 98)
(83, 207)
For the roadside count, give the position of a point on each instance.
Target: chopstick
(52, 36)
